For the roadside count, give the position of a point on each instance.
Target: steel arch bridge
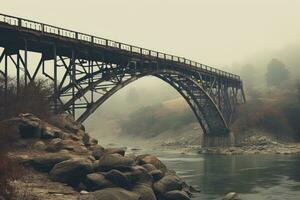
(86, 70)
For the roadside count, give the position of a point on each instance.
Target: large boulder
(176, 195)
(144, 191)
(66, 121)
(49, 132)
(111, 194)
(149, 167)
(115, 151)
(97, 151)
(71, 171)
(156, 174)
(97, 181)
(151, 159)
(113, 161)
(46, 162)
(118, 178)
(139, 175)
(167, 183)
(29, 126)
(127, 177)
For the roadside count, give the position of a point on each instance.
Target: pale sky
(215, 32)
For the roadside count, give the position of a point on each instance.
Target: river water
(254, 177)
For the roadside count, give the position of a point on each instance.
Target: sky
(214, 32)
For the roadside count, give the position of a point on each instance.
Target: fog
(214, 32)
(230, 35)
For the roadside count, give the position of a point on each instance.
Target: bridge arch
(204, 108)
(81, 67)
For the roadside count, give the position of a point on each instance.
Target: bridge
(86, 70)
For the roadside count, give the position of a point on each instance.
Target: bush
(33, 98)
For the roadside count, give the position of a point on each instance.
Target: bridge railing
(53, 30)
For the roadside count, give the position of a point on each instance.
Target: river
(254, 177)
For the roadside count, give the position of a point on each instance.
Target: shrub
(32, 98)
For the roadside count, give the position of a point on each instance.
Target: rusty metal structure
(86, 70)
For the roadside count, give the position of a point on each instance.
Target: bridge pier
(218, 140)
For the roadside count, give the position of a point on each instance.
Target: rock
(55, 145)
(232, 196)
(66, 121)
(149, 167)
(166, 184)
(139, 175)
(86, 140)
(111, 194)
(30, 129)
(118, 178)
(83, 192)
(74, 146)
(151, 159)
(97, 181)
(39, 145)
(176, 195)
(115, 151)
(97, 151)
(49, 131)
(113, 161)
(60, 134)
(92, 158)
(144, 191)
(132, 156)
(74, 137)
(46, 162)
(156, 174)
(93, 142)
(71, 171)
(65, 151)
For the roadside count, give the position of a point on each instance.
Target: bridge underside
(84, 77)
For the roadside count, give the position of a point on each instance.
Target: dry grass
(32, 98)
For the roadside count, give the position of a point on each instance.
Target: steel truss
(86, 70)
(81, 85)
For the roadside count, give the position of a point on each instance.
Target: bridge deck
(43, 35)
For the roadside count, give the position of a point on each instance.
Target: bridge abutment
(218, 140)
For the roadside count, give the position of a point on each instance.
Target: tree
(276, 73)
(248, 74)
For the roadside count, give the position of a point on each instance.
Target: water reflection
(254, 176)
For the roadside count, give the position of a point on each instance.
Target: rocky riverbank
(252, 144)
(255, 145)
(64, 162)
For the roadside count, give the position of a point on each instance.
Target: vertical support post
(73, 78)
(5, 83)
(92, 91)
(55, 78)
(18, 73)
(25, 63)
